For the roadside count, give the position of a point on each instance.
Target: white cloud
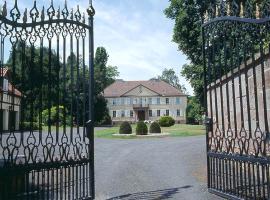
(136, 34)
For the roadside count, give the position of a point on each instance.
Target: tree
(59, 84)
(194, 110)
(169, 76)
(187, 34)
(111, 74)
(103, 76)
(188, 17)
(34, 79)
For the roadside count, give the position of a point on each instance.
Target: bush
(166, 121)
(141, 129)
(26, 126)
(125, 128)
(54, 116)
(155, 128)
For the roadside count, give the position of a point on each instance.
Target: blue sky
(136, 34)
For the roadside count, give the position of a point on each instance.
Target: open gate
(236, 38)
(46, 98)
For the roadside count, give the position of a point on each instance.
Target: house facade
(10, 100)
(145, 100)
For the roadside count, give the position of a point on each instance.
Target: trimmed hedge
(155, 128)
(141, 128)
(125, 128)
(166, 121)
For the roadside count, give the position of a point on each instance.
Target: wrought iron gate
(236, 37)
(46, 92)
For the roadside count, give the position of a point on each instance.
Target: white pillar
(17, 120)
(5, 119)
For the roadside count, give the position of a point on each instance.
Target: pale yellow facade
(142, 103)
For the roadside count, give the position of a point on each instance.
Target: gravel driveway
(151, 169)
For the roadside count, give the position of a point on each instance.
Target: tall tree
(103, 76)
(187, 15)
(169, 76)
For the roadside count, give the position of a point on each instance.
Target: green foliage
(141, 128)
(56, 116)
(103, 76)
(194, 111)
(166, 121)
(155, 128)
(57, 80)
(125, 128)
(169, 76)
(26, 126)
(187, 34)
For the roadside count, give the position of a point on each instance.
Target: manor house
(145, 100)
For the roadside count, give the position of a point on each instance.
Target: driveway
(151, 169)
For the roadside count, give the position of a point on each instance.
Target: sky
(136, 34)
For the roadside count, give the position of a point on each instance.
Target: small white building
(145, 100)
(10, 100)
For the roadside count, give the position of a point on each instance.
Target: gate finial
(4, 11)
(91, 11)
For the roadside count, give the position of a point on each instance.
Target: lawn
(178, 130)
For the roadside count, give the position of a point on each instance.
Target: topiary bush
(125, 128)
(141, 128)
(155, 128)
(166, 121)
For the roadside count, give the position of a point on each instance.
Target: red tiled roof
(4, 73)
(120, 87)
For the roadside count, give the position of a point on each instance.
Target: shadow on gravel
(152, 195)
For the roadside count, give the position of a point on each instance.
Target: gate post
(90, 131)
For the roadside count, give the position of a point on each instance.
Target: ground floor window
(131, 113)
(167, 112)
(123, 113)
(150, 113)
(114, 113)
(178, 112)
(158, 113)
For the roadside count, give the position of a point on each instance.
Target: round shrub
(166, 121)
(141, 128)
(125, 128)
(155, 128)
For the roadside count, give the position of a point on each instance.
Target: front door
(141, 115)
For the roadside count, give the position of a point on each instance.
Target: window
(114, 113)
(150, 113)
(131, 101)
(167, 101)
(158, 100)
(122, 101)
(167, 112)
(122, 113)
(5, 84)
(131, 113)
(114, 101)
(158, 113)
(150, 101)
(177, 100)
(178, 112)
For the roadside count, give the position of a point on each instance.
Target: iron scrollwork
(57, 160)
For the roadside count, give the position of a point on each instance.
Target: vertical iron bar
(90, 131)
(206, 106)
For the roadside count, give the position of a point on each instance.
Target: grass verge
(178, 130)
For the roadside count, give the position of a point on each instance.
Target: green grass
(178, 130)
